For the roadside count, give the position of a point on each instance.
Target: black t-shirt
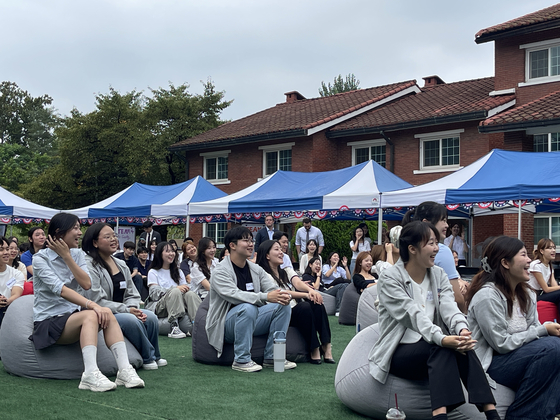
(244, 278)
(132, 262)
(118, 293)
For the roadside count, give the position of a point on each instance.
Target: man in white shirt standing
(11, 279)
(305, 233)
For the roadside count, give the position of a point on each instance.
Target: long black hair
(91, 235)
(308, 268)
(31, 248)
(203, 245)
(157, 263)
(15, 262)
(262, 252)
(501, 248)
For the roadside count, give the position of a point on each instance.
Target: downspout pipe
(392, 148)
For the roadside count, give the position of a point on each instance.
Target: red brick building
(419, 133)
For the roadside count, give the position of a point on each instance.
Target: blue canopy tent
(345, 193)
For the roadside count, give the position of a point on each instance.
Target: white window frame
(215, 155)
(439, 135)
(274, 148)
(366, 144)
(537, 46)
(549, 235)
(549, 135)
(215, 237)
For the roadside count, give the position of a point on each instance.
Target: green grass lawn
(185, 389)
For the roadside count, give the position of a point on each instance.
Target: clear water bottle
(395, 414)
(279, 350)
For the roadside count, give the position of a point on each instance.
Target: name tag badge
(429, 296)
(249, 287)
(10, 283)
(123, 284)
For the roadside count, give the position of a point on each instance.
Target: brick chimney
(293, 96)
(430, 81)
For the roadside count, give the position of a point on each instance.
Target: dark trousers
(310, 319)
(445, 369)
(2, 313)
(139, 283)
(553, 297)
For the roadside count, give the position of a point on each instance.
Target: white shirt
(538, 267)
(314, 233)
(163, 278)
(458, 246)
(9, 278)
(424, 298)
(197, 277)
(362, 247)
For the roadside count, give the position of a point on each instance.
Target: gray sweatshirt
(488, 319)
(398, 311)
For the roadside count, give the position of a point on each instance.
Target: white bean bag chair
(349, 305)
(367, 312)
(203, 352)
(330, 303)
(357, 389)
(56, 362)
(165, 327)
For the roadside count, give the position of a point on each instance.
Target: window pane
(540, 143)
(540, 229)
(211, 230)
(450, 151)
(555, 61)
(286, 160)
(431, 153)
(271, 162)
(555, 142)
(222, 168)
(555, 229)
(362, 155)
(211, 168)
(538, 62)
(221, 233)
(378, 154)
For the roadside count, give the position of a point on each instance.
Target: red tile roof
(546, 108)
(545, 15)
(463, 100)
(295, 117)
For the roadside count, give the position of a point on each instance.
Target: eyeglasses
(248, 240)
(110, 237)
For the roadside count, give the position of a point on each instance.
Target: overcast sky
(254, 50)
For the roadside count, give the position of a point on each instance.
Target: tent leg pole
(471, 234)
(519, 221)
(188, 226)
(379, 226)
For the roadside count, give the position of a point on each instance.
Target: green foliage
(125, 140)
(340, 85)
(337, 235)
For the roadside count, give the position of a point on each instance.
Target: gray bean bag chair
(349, 305)
(357, 389)
(330, 303)
(367, 312)
(203, 352)
(56, 362)
(165, 327)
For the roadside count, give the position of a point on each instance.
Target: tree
(340, 85)
(125, 140)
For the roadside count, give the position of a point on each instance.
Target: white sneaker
(161, 362)
(150, 366)
(269, 363)
(246, 367)
(337, 314)
(96, 382)
(176, 333)
(129, 378)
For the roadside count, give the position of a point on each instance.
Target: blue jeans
(142, 335)
(533, 372)
(246, 320)
(337, 291)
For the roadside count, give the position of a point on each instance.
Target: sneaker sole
(150, 367)
(119, 382)
(177, 336)
(251, 370)
(89, 388)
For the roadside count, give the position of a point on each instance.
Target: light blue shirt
(339, 272)
(50, 273)
(445, 260)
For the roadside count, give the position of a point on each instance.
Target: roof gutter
(477, 115)
(502, 128)
(506, 33)
(240, 140)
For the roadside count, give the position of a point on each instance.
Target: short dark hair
(235, 234)
(147, 224)
(141, 249)
(276, 236)
(306, 220)
(62, 223)
(129, 245)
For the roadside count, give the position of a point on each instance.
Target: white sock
(89, 354)
(121, 356)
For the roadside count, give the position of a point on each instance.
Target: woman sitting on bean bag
(112, 287)
(416, 308)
